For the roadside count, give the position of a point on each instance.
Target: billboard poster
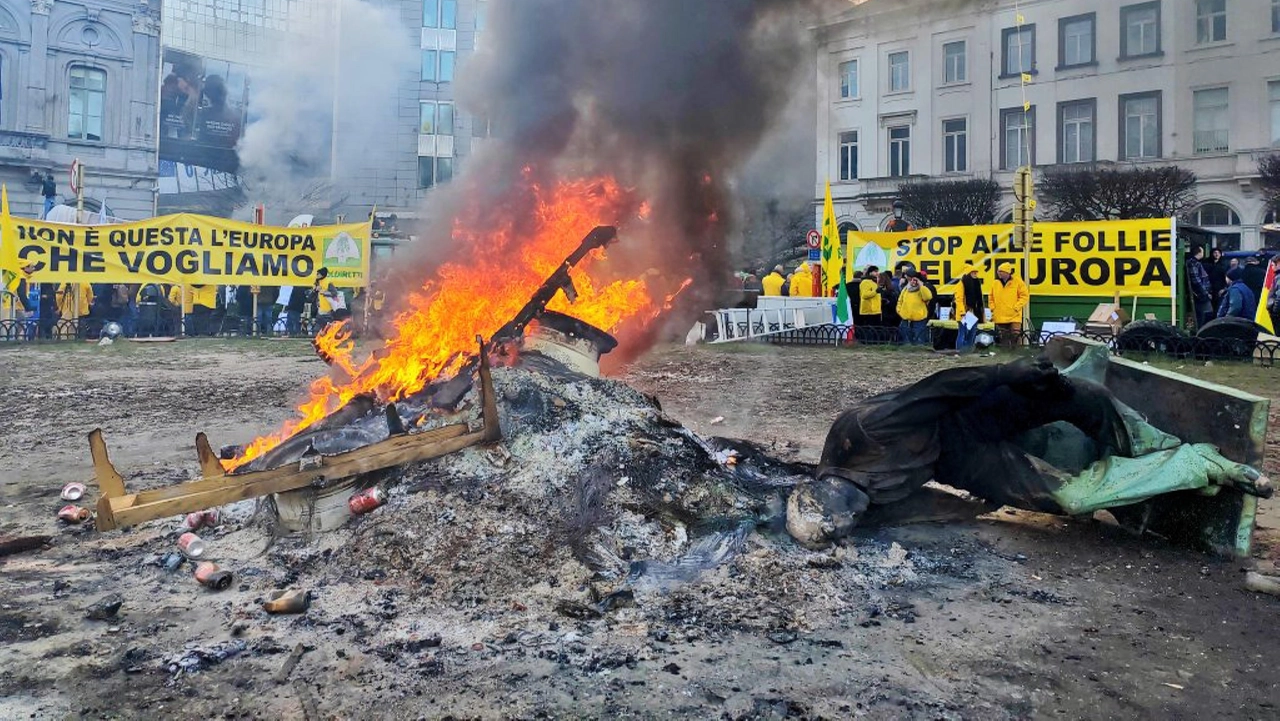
(203, 110)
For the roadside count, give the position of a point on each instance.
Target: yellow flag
(830, 244)
(1263, 317)
(5, 239)
(1026, 77)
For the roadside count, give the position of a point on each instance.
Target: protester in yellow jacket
(869, 293)
(1009, 295)
(913, 309)
(772, 283)
(913, 301)
(802, 282)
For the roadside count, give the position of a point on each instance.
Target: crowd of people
(1224, 287)
(905, 300)
(159, 309)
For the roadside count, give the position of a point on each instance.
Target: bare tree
(943, 203)
(1090, 193)
(1269, 169)
(774, 232)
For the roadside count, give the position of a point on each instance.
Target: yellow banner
(1097, 258)
(185, 249)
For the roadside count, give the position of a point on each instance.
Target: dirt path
(1016, 615)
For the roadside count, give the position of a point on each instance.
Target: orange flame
(499, 270)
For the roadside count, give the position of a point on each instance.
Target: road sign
(814, 239)
(75, 176)
(815, 255)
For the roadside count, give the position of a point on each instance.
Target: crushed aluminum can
(73, 491)
(367, 500)
(202, 519)
(287, 601)
(210, 576)
(72, 513)
(172, 561)
(191, 545)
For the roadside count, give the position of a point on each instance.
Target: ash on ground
(596, 534)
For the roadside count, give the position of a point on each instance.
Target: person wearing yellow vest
(802, 282)
(870, 311)
(1009, 295)
(913, 309)
(204, 299)
(773, 282)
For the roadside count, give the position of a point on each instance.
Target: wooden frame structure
(217, 487)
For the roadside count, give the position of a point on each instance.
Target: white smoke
(295, 102)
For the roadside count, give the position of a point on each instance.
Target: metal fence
(1175, 346)
(33, 331)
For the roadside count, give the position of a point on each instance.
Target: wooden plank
(218, 487)
(10, 545)
(134, 509)
(233, 479)
(489, 411)
(109, 481)
(104, 517)
(210, 466)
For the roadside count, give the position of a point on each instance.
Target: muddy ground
(1014, 615)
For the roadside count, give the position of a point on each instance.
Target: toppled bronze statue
(1020, 434)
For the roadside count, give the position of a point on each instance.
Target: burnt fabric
(962, 426)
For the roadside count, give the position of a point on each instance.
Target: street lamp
(898, 224)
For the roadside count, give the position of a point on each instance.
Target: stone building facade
(78, 79)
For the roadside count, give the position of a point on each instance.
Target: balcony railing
(1211, 141)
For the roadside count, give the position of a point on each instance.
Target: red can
(367, 500)
(191, 545)
(202, 519)
(72, 513)
(208, 574)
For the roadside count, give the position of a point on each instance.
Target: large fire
(492, 277)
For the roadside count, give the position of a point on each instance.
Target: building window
(1140, 30)
(848, 155)
(1076, 40)
(955, 145)
(435, 118)
(1015, 138)
(434, 171)
(437, 66)
(1212, 121)
(440, 14)
(900, 151)
(955, 57)
(849, 79)
(426, 172)
(1214, 214)
(1019, 50)
(1075, 130)
(1211, 21)
(429, 60)
(447, 60)
(1273, 88)
(1275, 16)
(899, 72)
(480, 127)
(1140, 126)
(87, 99)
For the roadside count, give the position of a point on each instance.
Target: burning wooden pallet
(117, 509)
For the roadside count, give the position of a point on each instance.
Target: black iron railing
(1177, 346)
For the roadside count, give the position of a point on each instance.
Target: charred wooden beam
(600, 237)
(116, 508)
